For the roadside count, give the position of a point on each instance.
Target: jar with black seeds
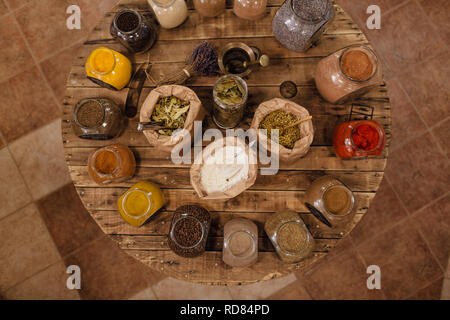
(299, 24)
(133, 30)
(189, 231)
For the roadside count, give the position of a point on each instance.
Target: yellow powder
(103, 61)
(136, 203)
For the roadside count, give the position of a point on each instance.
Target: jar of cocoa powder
(189, 231)
(347, 74)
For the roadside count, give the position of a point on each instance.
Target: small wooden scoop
(297, 123)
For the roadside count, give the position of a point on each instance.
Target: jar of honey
(140, 202)
(113, 163)
(108, 68)
(358, 139)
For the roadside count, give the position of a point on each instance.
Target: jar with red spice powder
(358, 139)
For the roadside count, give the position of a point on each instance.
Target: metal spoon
(263, 61)
(152, 126)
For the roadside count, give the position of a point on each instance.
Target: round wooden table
(269, 194)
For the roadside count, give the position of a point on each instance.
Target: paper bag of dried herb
(174, 106)
(224, 169)
(277, 113)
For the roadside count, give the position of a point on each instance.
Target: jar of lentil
(97, 119)
(229, 101)
(113, 163)
(240, 243)
(289, 235)
(189, 231)
(299, 24)
(333, 199)
(133, 30)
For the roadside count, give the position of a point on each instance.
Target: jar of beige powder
(240, 243)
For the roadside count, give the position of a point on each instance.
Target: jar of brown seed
(289, 235)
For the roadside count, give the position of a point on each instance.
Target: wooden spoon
(297, 123)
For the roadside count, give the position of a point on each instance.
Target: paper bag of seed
(224, 169)
(172, 106)
(278, 113)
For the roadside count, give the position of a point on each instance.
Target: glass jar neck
(304, 229)
(372, 56)
(251, 248)
(164, 3)
(185, 216)
(80, 105)
(376, 127)
(350, 196)
(116, 157)
(125, 198)
(137, 14)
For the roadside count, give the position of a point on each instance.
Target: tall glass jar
(359, 139)
(209, 8)
(347, 74)
(240, 243)
(189, 231)
(169, 13)
(333, 199)
(97, 119)
(133, 30)
(289, 235)
(228, 116)
(250, 9)
(298, 24)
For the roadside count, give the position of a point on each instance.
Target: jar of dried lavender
(298, 24)
(97, 119)
(189, 231)
(289, 235)
(230, 94)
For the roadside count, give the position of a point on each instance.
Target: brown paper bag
(301, 147)
(237, 188)
(196, 113)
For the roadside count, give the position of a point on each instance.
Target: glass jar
(358, 139)
(347, 74)
(228, 116)
(133, 30)
(289, 235)
(108, 68)
(140, 203)
(189, 231)
(240, 243)
(250, 9)
(333, 199)
(209, 8)
(97, 119)
(299, 24)
(169, 13)
(113, 163)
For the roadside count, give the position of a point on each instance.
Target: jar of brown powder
(289, 235)
(113, 163)
(347, 74)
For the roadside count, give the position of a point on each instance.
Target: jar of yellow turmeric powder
(140, 202)
(114, 163)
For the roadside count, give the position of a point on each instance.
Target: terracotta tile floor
(44, 227)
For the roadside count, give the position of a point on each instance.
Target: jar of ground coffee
(298, 24)
(133, 30)
(97, 119)
(189, 231)
(347, 74)
(289, 235)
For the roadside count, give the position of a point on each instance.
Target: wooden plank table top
(270, 193)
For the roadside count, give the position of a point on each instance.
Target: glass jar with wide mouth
(240, 243)
(359, 139)
(140, 203)
(209, 8)
(113, 163)
(289, 235)
(250, 9)
(226, 114)
(169, 13)
(299, 24)
(189, 231)
(97, 119)
(333, 199)
(348, 73)
(133, 30)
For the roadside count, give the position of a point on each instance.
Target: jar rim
(183, 217)
(377, 128)
(372, 56)
(251, 250)
(106, 149)
(283, 225)
(164, 5)
(121, 12)
(348, 191)
(241, 82)
(83, 102)
(147, 194)
(94, 54)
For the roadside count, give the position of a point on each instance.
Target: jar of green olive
(230, 94)
(289, 235)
